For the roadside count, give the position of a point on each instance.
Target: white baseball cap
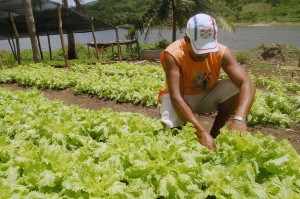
(202, 31)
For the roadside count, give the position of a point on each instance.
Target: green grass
(84, 55)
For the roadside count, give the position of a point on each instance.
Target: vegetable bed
(51, 150)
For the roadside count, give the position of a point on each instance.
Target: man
(192, 68)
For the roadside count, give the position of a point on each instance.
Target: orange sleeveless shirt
(198, 76)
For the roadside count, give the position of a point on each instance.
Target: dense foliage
(122, 12)
(50, 150)
(263, 10)
(118, 12)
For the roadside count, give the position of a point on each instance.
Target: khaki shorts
(205, 102)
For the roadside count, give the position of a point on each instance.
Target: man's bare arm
(242, 80)
(176, 84)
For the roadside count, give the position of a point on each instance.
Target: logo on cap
(205, 32)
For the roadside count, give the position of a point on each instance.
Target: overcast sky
(71, 2)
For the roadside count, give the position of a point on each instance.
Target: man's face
(196, 57)
(199, 57)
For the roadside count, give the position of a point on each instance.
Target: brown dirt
(94, 103)
(276, 53)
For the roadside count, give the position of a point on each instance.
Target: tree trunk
(79, 7)
(60, 28)
(71, 46)
(31, 30)
(174, 22)
(71, 40)
(299, 62)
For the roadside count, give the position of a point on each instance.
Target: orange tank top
(198, 76)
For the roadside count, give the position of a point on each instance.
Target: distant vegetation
(124, 12)
(118, 12)
(263, 10)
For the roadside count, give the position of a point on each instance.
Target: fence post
(94, 37)
(16, 35)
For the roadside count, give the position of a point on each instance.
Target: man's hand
(237, 126)
(206, 140)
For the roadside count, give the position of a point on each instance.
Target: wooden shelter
(50, 19)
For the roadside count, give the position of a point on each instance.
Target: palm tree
(31, 30)
(179, 11)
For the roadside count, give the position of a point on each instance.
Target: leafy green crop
(277, 104)
(50, 150)
(274, 108)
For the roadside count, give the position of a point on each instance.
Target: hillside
(118, 12)
(122, 12)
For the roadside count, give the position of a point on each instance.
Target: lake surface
(245, 37)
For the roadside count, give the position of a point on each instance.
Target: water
(245, 38)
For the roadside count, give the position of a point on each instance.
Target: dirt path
(94, 103)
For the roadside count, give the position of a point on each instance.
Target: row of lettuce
(51, 150)
(276, 102)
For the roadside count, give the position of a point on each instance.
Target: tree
(179, 11)
(79, 8)
(236, 7)
(31, 30)
(71, 40)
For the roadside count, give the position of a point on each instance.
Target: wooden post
(62, 36)
(16, 35)
(12, 48)
(14, 45)
(49, 43)
(94, 37)
(1, 64)
(112, 51)
(118, 45)
(89, 51)
(138, 48)
(39, 44)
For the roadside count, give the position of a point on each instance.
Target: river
(245, 37)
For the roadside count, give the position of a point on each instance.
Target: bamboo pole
(49, 42)
(62, 36)
(94, 37)
(39, 44)
(118, 45)
(17, 37)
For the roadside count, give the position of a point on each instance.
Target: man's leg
(168, 114)
(225, 111)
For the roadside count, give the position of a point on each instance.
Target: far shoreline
(265, 24)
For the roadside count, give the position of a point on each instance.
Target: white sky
(71, 2)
